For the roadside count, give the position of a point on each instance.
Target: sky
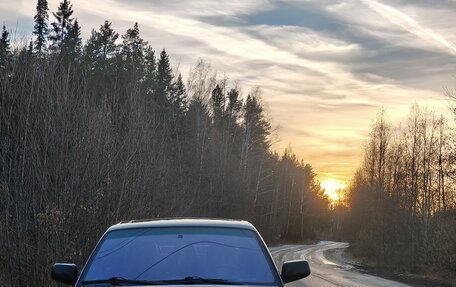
(325, 67)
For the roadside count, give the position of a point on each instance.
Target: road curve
(326, 272)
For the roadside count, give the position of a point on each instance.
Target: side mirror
(64, 272)
(295, 270)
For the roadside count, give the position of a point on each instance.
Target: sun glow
(333, 189)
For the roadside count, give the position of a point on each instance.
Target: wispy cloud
(409, 24)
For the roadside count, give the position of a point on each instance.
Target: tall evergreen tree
(72, 43)
(178, 97)
(30, 48)
(257, 124)
(234, 105)
(4, 48)
(133, 48)
(150, 71)
(62, 25)
(100, 47)
(257, 129)
(92, 51)
(133, 44)
(233, 112)
(107, 40)
(40, 30)
(164, 84)
(218, 103)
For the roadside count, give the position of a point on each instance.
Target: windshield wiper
(200, 280)
(117, 281)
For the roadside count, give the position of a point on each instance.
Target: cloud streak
(407, 23)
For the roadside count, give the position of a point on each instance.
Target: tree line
(95, 132)
(402, 200)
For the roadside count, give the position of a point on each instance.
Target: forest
(402, 200)
(98, 131)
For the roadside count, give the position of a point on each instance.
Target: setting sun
(333, 189)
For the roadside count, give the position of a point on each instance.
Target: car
(180, 252)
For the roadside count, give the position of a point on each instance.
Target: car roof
(183, 222)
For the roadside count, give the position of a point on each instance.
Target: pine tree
(218, 103)
(72, 43)
(256, 130)
(62, 25)
(41, 27)
(234, 105)
(150, 71)
(107, 40)
(4, 48)
(100, 47)
(255, 120)
(92, 51)
(30, 48)
(133, 48)
(178, 96)
(164, 83)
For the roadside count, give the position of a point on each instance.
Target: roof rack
(173, 218)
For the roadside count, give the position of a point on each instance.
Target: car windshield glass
(231, 254)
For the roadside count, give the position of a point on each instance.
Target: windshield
(159, 254)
